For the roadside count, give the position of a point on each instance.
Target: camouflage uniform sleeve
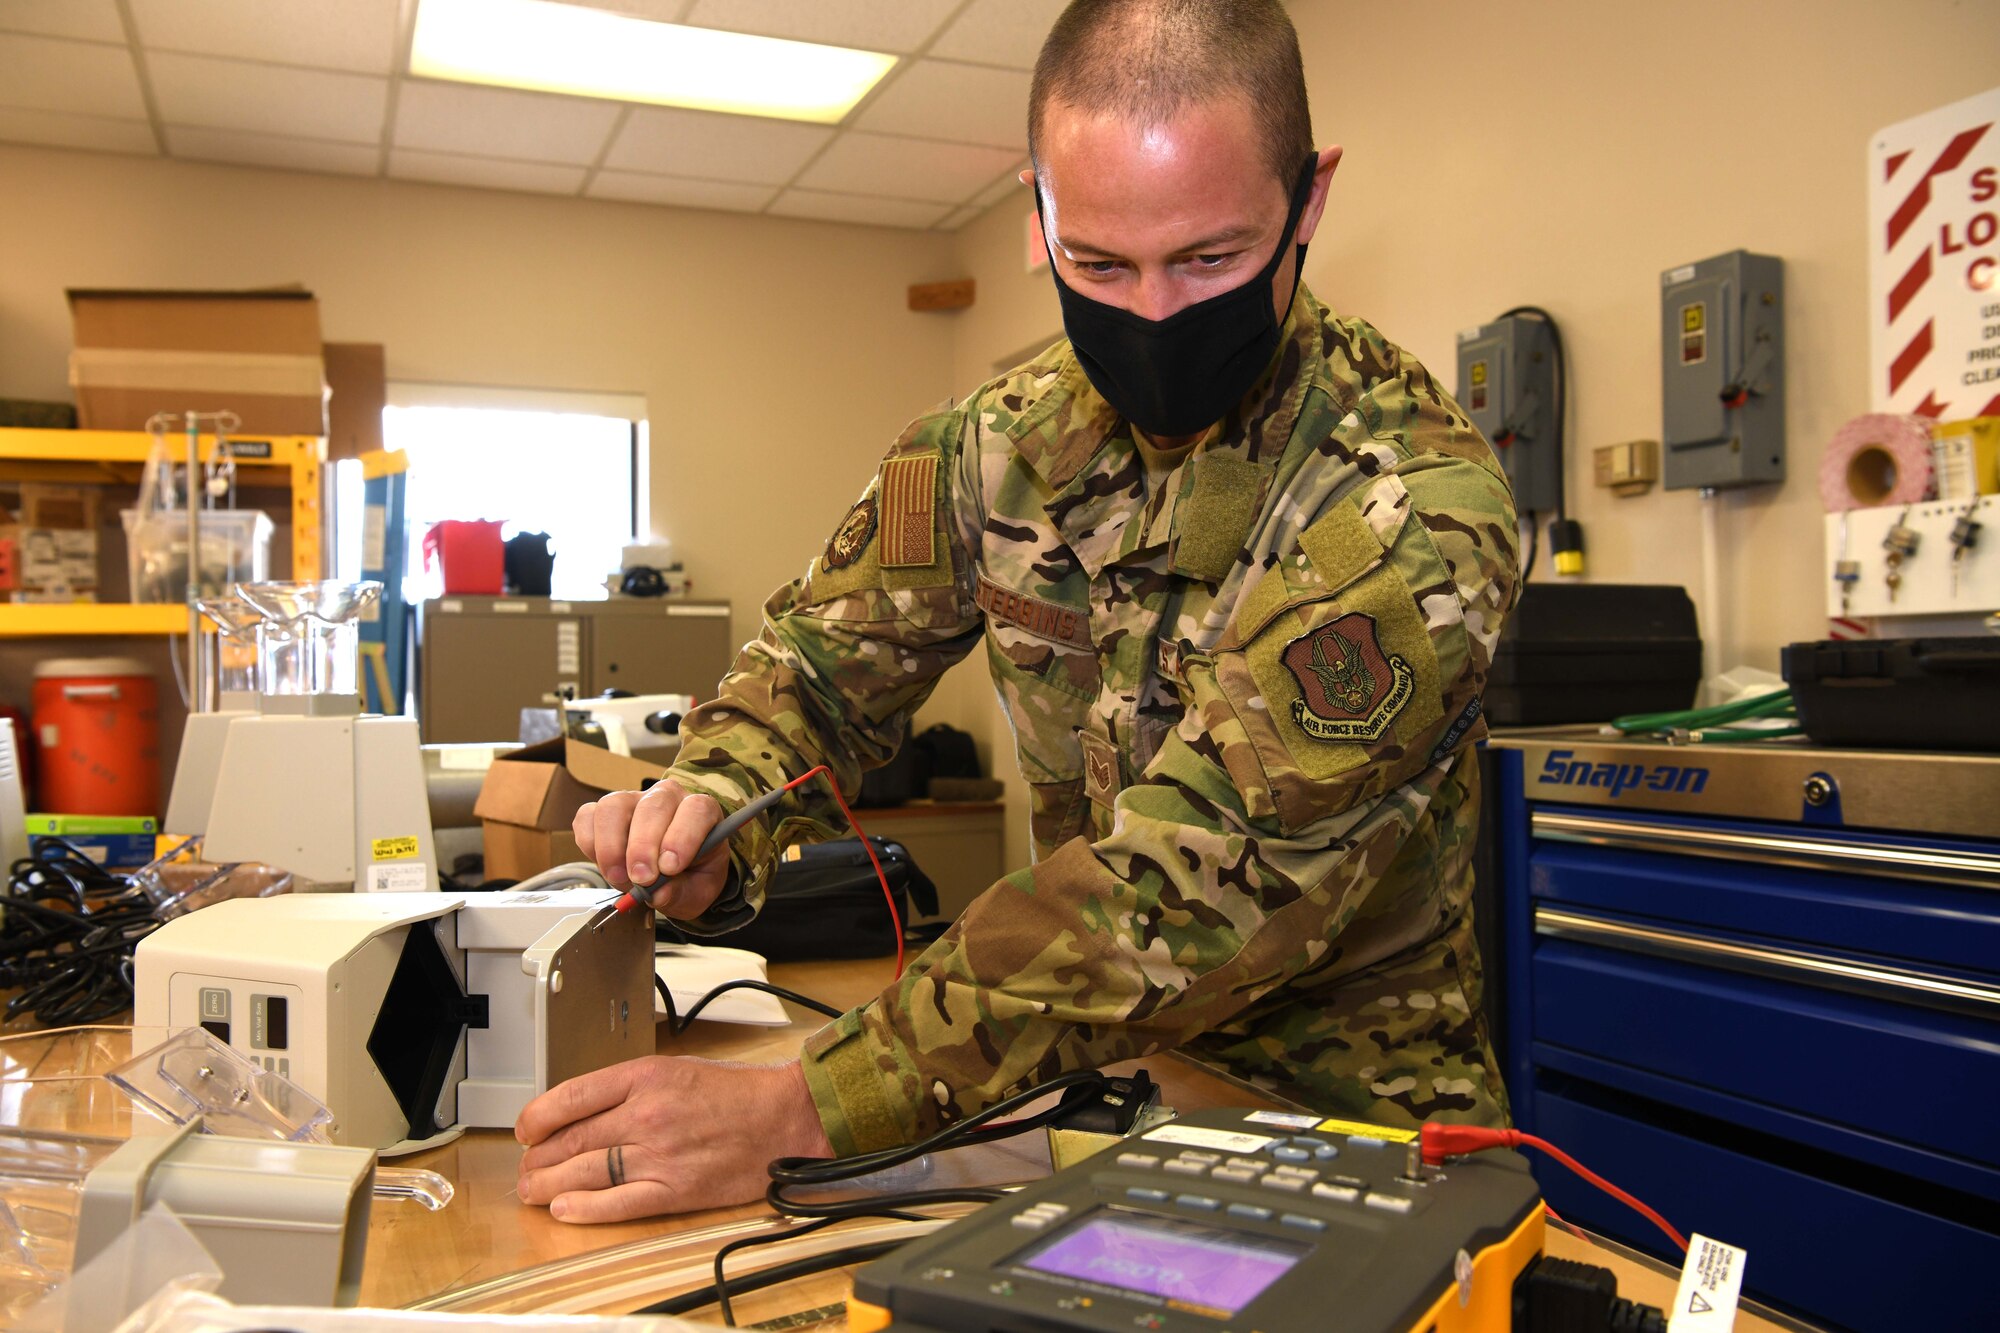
(846, 656)
(1342, 696)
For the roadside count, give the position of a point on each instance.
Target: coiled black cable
(68, 928)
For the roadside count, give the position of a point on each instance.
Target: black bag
(529, 563)
(828, 904)
(952, 752)
(905, 778)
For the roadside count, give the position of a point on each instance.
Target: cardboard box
(254, 353)
(357, 377)
(73, 508)
(531, 796)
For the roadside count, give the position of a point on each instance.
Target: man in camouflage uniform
(1243, 667)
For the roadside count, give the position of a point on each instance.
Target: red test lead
(1442, 1141)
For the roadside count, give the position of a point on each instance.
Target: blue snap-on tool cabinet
(1758, 986)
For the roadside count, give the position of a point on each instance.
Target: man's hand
(636, 838)
(663, 1134)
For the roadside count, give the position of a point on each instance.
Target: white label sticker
(1710, 1281)
(1677, 275)
(452, 605)
(697, 610)
(399, 877)
(374, 537)
(1222, 1140)
(510, 608)
(1285, 1119)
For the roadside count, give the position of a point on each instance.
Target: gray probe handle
(718, 835)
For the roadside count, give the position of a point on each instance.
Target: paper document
(693, 970)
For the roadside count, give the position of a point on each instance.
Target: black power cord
(1565, 533)
(68, 928)
(677, 1023)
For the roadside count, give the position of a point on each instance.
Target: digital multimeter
(1228, 1222)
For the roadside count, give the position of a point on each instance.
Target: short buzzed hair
(1145, 60)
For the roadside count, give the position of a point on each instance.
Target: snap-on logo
(1563, 768)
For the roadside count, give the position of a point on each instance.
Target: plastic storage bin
(1928, 694)
(235, 548)
(470, 555)
(97, 724)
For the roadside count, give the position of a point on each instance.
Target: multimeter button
(1300, 1172)
(1338, 1193)
(1190, 1155)
(1285, 1152)
(1302, 1222)
(1137, 1159)
(1029, 1221)
(1250, 1210)
(1184, 1167)
(1293, 1184)
(1364, 1141)
(1144, 1195)
(1352, 1182)
(1050, 1210)
(1326, 1152)
(1235, 1175)
(1199, 1202)
(1249, 1164)
(1389, 1203)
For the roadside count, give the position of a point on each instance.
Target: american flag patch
(908, 499)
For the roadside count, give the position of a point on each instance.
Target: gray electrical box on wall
(1722, 372)
(1506, 384)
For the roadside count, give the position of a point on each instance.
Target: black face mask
(1179, 375)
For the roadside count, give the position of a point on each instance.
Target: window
(576, 475)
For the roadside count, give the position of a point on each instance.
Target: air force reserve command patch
(1352, 689)
(851, 538)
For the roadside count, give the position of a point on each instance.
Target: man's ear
(1329, 160)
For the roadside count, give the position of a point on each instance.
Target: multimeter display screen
(1166, 1257)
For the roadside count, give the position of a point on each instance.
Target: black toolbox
(1924, 694)
(1589, 652)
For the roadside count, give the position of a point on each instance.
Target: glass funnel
(232, 661)
(309, 634)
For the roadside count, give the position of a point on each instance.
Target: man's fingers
(656, 810)
(611, 822)
(640, 1198)
(577, 1099)
(692, 822)
(589, 1170)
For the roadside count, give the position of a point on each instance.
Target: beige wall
(1563, 153)
(777, 357)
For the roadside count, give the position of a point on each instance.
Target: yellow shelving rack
(96, 456)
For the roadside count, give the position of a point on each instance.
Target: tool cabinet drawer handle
(91, 692)
(1926, 989)
(1978, 870)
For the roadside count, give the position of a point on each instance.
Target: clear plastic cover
(178, 887)
(309, 639)
(192, 1074)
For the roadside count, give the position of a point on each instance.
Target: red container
(470, 555)
(97, 734)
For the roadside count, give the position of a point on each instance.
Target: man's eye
(1211, 261)
(1099, 268)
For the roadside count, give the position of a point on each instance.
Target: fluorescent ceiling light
(566, 48)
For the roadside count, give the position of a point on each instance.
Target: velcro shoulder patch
(908, 505)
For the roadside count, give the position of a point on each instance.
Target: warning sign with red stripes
(1934, 262)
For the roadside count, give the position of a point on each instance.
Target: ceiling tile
(357, 35)
(1004, 188)
(876, 164)
(60, 131)
(936, 99)
(91, 20)
(642, 189)
(44, 74)
(724, 148)
(271, 150)
(855, 208)
(1000, 32)
(498, 122)
(538, 177)
(871, 25)
(660, 11)
(958, 218)
(265, 99)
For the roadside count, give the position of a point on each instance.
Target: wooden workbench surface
(486, 1233)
